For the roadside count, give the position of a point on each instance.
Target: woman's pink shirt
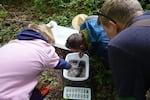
(21, 63)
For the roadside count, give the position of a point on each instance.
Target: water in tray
(79, 70)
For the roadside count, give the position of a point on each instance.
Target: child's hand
(81, 54)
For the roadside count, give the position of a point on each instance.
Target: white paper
(61, 34)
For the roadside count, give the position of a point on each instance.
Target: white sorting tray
(75, 56)
(77, 93)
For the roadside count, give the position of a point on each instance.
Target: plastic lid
(77, 93)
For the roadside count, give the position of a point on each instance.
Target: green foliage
(148, 7)
(8, 33)
(145, 4)
(62, 11)
(101, 80)
(46, 78)
(3, 13)
(38, 4)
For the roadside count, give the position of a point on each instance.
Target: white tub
(75, 56)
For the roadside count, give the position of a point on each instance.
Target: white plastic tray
(75, 56)
(61, 34)
(77, 93)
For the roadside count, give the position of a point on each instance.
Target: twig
(3, 7)
(21, 21)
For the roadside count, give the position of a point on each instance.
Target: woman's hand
(71, 68)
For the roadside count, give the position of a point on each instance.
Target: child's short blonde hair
(45, 30)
